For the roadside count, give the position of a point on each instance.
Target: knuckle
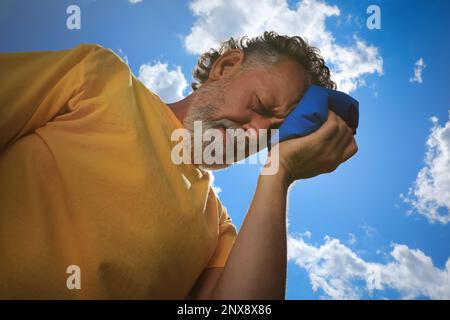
(331, 168)
(334, 125)
(354, 146)
(335, 158)
(331, 160)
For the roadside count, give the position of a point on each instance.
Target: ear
(227, 64)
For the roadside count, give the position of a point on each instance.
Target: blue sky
(351, 234)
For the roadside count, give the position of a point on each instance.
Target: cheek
(237, 104)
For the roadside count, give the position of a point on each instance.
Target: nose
(276, 123)
(260, 122)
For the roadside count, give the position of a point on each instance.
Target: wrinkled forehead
(284, 85)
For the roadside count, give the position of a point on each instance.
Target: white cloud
(217, 20)
(418, 68)
(134, 1)
(368, 230)
(351, 238)
(215, 187)
(430, 193)
(338, 271)
(168, 84)
(306, 234)
(123, 55)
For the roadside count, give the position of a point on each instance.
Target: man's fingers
(338, 136)
(329, 129)
(341, 136)
(350, 150)
(344, 139)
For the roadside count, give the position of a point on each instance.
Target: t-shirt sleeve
(227, 237)
(36, 87)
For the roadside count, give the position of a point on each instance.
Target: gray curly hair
(267, 50)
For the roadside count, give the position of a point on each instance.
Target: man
(87, 178)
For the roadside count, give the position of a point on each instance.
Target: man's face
(252, 98)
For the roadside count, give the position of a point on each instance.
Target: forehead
(283, 85)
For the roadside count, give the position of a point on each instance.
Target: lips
(223, 131)
(221, 128)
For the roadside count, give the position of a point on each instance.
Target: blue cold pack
(312, 111)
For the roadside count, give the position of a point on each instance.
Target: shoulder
(101, 67)
(98, 54)
(88, 48)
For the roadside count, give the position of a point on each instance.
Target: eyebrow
(297, 101)
(269, 108)
(294, 103)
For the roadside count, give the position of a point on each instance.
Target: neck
(180, 108)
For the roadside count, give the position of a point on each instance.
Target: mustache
(226, 123)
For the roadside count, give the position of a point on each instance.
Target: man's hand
(320, 152)
(250, 272)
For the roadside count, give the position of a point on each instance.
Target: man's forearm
(256, 267)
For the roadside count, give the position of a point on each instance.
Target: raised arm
(256, 267)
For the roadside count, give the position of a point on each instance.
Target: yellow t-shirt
(86, 179)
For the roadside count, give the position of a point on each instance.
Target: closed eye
(260, 109)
